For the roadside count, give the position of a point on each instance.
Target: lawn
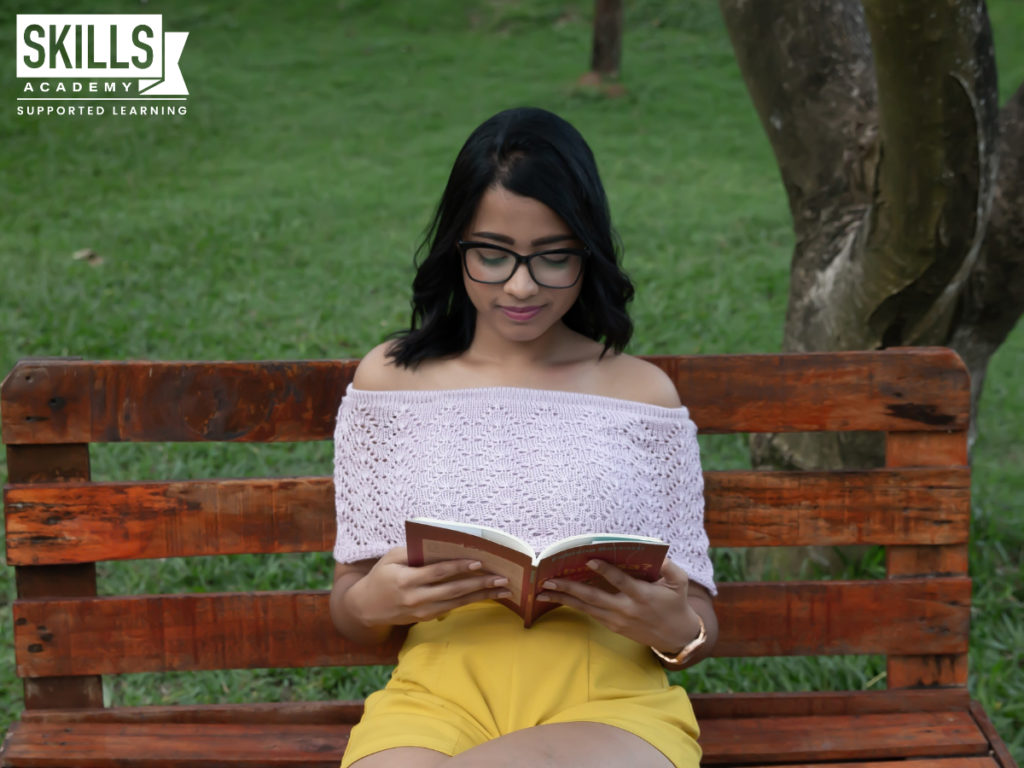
(278, 220)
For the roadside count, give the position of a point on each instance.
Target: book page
(435, 551)
(586, 539)
(483, 531)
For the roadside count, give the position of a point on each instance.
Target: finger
(446, 569)
(618, 578)
(442, 606)
(603, 615)
(674, 574)
(457, 588)
(395, 555)
(586, 593)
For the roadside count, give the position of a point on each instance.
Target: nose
(521, 284)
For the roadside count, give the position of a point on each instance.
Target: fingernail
(504, 593)
(592, 565)
(544, 597)
(500, 582)
(549, 585)
(474, 566)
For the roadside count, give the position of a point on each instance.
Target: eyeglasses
(493, 264)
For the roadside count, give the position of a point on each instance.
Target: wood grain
(841, 737)
(725, 742)
(241, 630)
(115, 521)
(920, 389)
(29, 464)
(914, 449)
(705, 705)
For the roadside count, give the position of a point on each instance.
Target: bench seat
(879, 729)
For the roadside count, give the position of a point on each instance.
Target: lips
(521, 313)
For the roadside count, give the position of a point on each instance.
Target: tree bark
(993, 299)
(884, 122)
(606, 57)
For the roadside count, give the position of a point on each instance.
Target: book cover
(430, 541)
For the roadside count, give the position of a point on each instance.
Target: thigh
(595, 745)
(403, 757)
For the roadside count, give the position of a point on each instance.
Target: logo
(99, 64)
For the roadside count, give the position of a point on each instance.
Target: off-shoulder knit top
(540, 464)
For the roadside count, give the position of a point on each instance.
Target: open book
(430, 541)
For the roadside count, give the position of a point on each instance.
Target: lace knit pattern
(540, 464)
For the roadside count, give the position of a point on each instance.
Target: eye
(556, 259)
(489, 256)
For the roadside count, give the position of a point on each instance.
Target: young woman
(502, 405)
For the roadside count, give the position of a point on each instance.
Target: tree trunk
(884, 121)
(994, 295)
(884, 125)
(606, 57)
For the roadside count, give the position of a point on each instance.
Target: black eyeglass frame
(464, 245)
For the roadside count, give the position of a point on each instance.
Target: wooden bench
(59, 524)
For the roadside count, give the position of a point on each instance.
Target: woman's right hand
(394, 593)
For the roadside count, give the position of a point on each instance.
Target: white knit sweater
(540, 464)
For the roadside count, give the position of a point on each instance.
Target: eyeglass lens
(557, 269)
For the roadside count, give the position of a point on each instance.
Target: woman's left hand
(651, 613)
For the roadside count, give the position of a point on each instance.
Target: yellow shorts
(475, 673)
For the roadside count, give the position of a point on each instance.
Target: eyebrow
(539, 241)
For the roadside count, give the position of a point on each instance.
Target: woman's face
(526, 226)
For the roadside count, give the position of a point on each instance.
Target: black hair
(533, 153)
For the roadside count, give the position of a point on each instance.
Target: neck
(490, 349)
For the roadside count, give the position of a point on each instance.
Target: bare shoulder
(377, 371)
(634, 379)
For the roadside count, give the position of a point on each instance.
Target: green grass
(278, 219)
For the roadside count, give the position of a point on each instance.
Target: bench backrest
(59, 523)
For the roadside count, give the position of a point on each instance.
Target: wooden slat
(113, 521)
(120, 521)
(224, 631)
(920, 389)
(771, 739)
(705, 705)
(813, 617)
(800, 703)
(999, 748)
(171, 745)
(893, 390)
(42, 464)
(928, 762)
(912, 449)
(854, 737)
(108, 401)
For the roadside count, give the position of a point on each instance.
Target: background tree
(905, 185)
(606, 56)
(904, 182)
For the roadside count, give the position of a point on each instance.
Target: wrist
(362, 626)
(686, 651)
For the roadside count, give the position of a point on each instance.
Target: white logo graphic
(107, 57)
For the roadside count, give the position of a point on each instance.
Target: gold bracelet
(688, 649)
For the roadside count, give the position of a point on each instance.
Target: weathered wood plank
(842, 737)
(170, 745)
(999, 748)
(923, 389)
(705, 705)
(773, 739)
(914, 449)
(240, 630)
(29, 464)
(113, 521)
(927, 762)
